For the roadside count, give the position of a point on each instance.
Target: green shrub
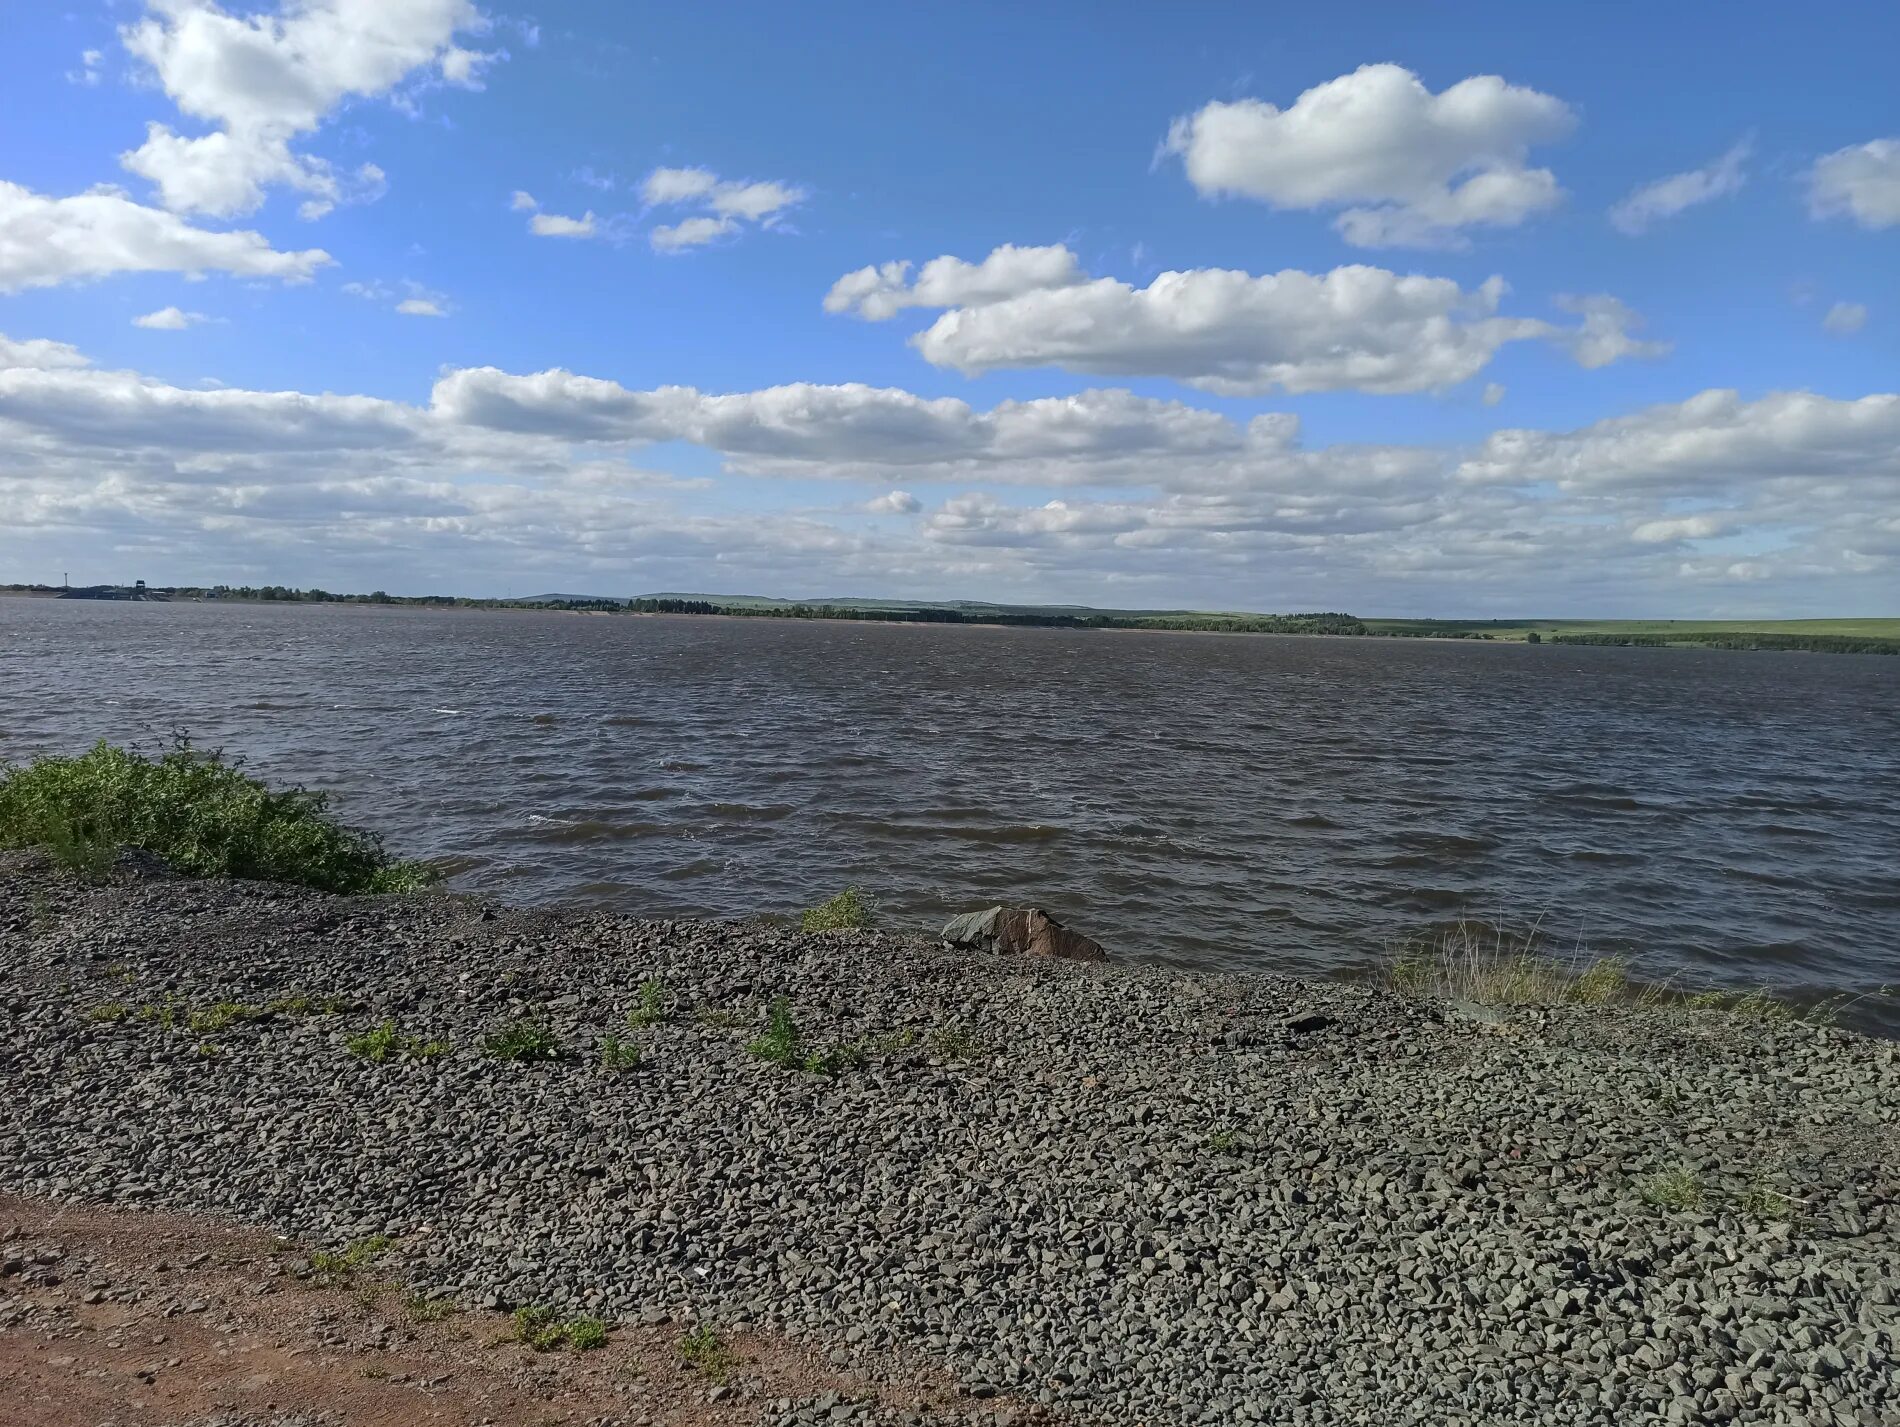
(781, 1042)
(847, 911)
(1679, 1189)
(200, 813)
(524, 1041)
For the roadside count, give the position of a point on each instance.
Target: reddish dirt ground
(121, 1318)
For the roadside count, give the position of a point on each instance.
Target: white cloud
(557, 225)
(523, 202)
(1666, 197)
(1605, 336)
(40, 354)
(409, 297)
(88, 71)
(678, 185)
(45, 241)
(1354, 328)
(264, 80)
(1844, 319)
(502, 472)
(169, 319)
(728, 205)
(690, 233)
(1861, 182)
(1713, 440)
(1687, 527)
(1409, 168)
(877, 293)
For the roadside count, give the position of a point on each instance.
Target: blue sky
(1239, 306)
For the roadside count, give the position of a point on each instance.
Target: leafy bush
(848, 911)
(784, 1044)
(202, 814)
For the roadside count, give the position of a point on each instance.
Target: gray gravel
(1138, 1195)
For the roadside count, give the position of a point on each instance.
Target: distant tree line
(1743, 639)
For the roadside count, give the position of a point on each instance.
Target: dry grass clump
(1495, 966)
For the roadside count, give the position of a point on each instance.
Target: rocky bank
(1106, 1192)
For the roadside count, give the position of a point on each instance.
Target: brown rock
(1021, 931)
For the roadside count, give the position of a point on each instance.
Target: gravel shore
(1129, 1195)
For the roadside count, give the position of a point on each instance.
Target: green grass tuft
(341, 1263)
(108, 1012)
(423, 1309)
(524, 1041)
(1675, 1189)
(198, 811)
(850, 910)
(1493, 966)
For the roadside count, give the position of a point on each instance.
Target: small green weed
(836, 1059)
(1674, 1189)
(707, 1354)
(652, 1008)
(1224, 1141)
(109, 1012)
(524, 1041)
(617, 1055)
(223, 1016)
(341, 1263)
(1759, 1201)
(422, 1309)
(719, 1020)
(850, 910)
(893, 1041)
(780, 1043)
(385, 1043)
(957, 1043)
(163, 1014)
(540, 1329)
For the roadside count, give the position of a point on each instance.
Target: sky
(1457, 310)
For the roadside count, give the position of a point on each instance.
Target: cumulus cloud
(1408, 168)
(880, 292)
(170, 319)
(421, 307)
(1605, 334)
(1861, 182)
(1713, 440)
(1666, 197)
(558, 225)
(1844, 319)
(503, 471)
(691, 233)
(523, 202)
(263, 81)
(1234, 333)
(45, 241)
(728, 205)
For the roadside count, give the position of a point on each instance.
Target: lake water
(1290, 803)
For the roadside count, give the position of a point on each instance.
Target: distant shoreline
(1812, 635)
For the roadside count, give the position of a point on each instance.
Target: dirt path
(117, 1318)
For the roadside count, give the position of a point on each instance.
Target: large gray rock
(1021, 931)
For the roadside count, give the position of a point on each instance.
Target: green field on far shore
(1521, 629)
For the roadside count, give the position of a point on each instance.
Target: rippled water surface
(1294, 803)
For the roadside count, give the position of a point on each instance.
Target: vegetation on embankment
(198, 811)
